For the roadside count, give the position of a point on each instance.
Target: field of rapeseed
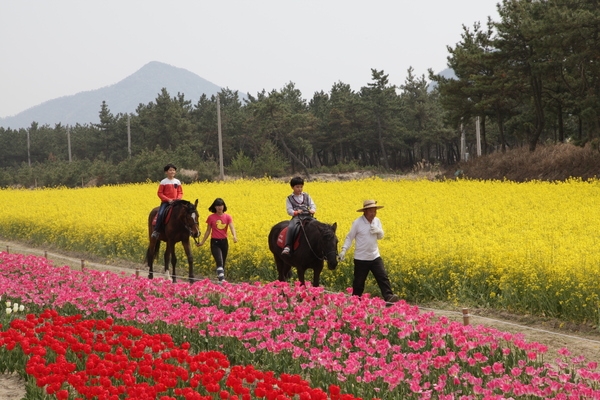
(529, 247)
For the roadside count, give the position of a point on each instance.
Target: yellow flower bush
(521, 246)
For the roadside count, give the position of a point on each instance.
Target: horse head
(190, 217)
(329, 245)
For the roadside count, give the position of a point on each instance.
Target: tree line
(530, 77)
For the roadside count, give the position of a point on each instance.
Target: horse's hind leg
(151, 255)
(283, 270)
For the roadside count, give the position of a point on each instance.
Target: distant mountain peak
(143, 86)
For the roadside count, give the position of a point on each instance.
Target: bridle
(192, 211)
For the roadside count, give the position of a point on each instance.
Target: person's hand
(199, 244)
(234, 240)
(311, 211)
(342, 255)
(375, 230)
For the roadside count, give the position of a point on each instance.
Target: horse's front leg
(174, 264)
(190, 259)
(317, 275)
(301, 275)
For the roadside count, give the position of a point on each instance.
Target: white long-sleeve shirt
(365, 236)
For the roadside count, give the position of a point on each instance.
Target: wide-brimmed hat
(369, 204)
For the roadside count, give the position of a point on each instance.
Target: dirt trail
(579, 339)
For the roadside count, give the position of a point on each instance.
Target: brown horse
(178, 227)
(317, 243)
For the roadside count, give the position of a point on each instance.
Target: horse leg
(151, 255)
(190, 259)
(150, 261)
(174, 264)
(301, 275)
(283, 270)
(169, 254)
(317, 275)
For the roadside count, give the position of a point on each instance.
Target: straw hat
(369, 204)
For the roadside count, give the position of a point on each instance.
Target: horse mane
(326, 230)
(184, 203)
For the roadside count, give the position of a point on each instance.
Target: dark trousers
(219, 249)
(290, 235)
(361, 271)
(160, 215)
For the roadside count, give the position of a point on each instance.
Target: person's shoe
(392, 299)
(155, 234)
(286, 251)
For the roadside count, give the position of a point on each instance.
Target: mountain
(123, 97)
(447, 73)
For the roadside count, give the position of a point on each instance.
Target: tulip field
(524, 247)
(100, 335)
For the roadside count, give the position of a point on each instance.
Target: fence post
(465, 312)
(137, 272)
(82, 264)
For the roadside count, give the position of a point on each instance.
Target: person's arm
(206, 234)
(348, 242)
(232, 228)
(161, 193)
(377, 228)
(312, 207)
(289, 208)
(179, 190)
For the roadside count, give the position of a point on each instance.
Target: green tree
(380, 103)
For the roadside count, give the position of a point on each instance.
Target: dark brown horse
(180, 225)
(317, 243)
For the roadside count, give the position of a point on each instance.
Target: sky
(51, 49)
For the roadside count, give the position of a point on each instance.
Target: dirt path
(579, 339)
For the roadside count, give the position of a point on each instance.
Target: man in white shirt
(366, 231)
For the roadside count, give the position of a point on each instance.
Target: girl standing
(216, 226)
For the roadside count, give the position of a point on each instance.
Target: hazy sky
(56, 48)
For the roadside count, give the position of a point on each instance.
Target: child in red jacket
(169, 190)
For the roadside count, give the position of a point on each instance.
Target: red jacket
(170, 189)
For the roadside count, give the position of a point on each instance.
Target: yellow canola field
(529, 247)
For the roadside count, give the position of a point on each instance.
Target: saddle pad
(281, 239)
(166, 218)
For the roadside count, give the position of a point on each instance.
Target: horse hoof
(150, 276)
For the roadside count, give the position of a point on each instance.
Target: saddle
(283, 233)
(166, 217)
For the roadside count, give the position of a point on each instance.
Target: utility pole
(69, 141)
(28, 152)
(463, 144)
(478, 136)
(128, 135)
(221, 171)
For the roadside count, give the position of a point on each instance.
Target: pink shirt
(218, 225)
